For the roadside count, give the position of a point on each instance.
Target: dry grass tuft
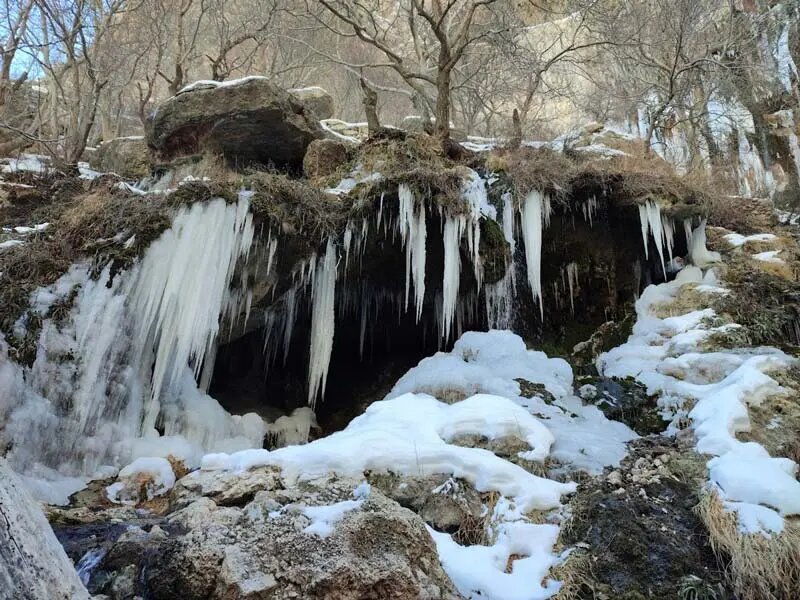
(743, 215)
(628, 179)
(295, 206)
(759, 567)
(575, 575)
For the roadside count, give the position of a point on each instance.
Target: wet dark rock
(625, 400)
(637, 525)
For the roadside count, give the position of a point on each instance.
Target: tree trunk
(33, 564)
(516, 131)
(442, 128)
(370, 101)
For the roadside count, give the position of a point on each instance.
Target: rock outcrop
(249, 120)
(127, 157)
(33, 565)
(250, 535)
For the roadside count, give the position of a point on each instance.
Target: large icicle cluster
(134, 343)
(183, 284)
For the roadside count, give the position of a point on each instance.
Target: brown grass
(629, 179)
(758, 567)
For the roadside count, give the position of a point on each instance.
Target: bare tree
(439, 33)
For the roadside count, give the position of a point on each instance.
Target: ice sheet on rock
(409, 435)
(486, 362)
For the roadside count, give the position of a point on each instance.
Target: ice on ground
(152, 475)
(10, 244)
(667, 356)
(33, 163)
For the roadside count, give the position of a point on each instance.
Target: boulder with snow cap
(248, 120)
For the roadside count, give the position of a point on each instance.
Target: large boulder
(317, 99)
(248, 535)
(32, 563)
(249, 120)
(127, 157)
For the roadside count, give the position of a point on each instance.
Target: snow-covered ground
(409, 433)
(713, 388)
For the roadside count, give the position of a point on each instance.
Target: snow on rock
(770, 256)
(737, 239)
(143, 479)
(481, 571)
(324, 518)
(485, 362)
(667, 356)
(408, 435)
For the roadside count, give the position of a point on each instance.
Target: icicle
(669, 235)
(380, 211)
(572, 278)
(291, 316)
(654, 220)
(322, 323)
(453, 230)
(413, 233)
(698, 253)
(499, 301)
(645, 228)
(535, 210)
(348, 239)
(687, 229)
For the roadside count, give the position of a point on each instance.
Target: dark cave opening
(611, 269)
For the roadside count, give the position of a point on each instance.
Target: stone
(316, 99)
(245, 121)
(128, 157)
(225, 488)
(324, 157)
(33, 564)
(376, 550)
